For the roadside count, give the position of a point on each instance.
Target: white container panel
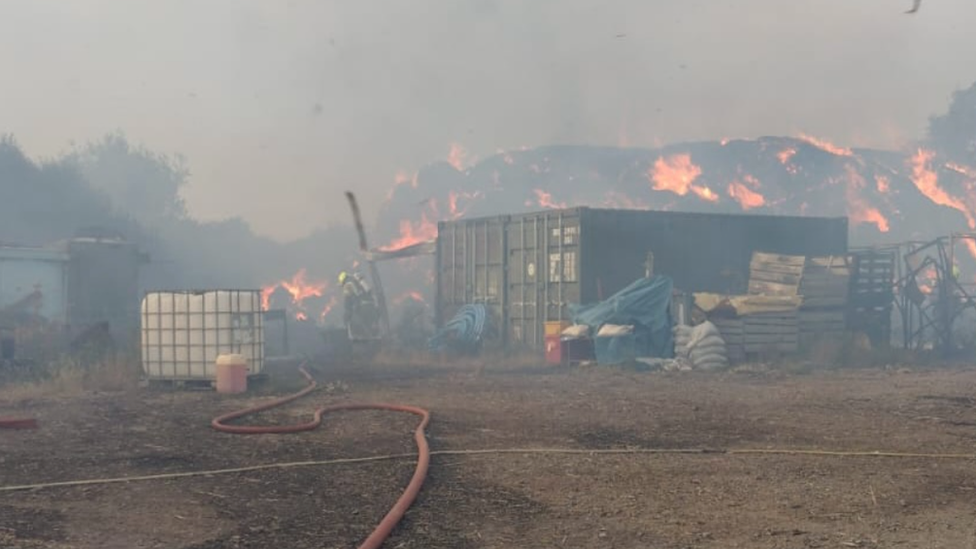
(183, 333)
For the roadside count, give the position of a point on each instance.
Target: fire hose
(18, 423)
(392, 518)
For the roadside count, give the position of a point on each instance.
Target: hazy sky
(281, 105)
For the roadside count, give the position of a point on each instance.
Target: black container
(528, 268)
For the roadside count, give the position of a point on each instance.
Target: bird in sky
(915, 6)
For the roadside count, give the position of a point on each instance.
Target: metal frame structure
(929, 316)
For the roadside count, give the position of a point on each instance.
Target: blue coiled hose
(465, 329)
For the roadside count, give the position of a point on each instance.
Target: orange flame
(401, 178)
(825, 145)
(970, 246)
(858, 209)
(927, 181)
(785, 155)
(298, 288)
(411, 234)
(926, 280)
(452, 202)
(457, 156)
(678, 174)
(704, 193)
(301, 290)
(545, 200)
(882, 183)
(960, 169)
(328, 308)
(746, 197)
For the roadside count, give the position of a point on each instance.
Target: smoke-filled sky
(280, 106)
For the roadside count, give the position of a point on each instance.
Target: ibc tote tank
(183, 333)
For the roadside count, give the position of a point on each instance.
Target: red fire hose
(18, 423)
(392, 518)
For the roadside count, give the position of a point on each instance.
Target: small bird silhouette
(915, 6)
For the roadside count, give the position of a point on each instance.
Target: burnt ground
(612, 501)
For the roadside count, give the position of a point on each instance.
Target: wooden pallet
(760, 332)
(872, 294)
(826, 282)
(775, 274)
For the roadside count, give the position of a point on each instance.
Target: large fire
(862, 186)
(402, 178)
(883, 184)
(453, 198)
(927, 181)
(410, 233)
(746, 196)
(457, 157)
(677, 174)
(858, 210)
(785, 155)
(826, 146)
(545, 200)
(299, 289)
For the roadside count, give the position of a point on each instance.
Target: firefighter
(355, 292)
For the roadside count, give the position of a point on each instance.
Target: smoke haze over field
(280, 106)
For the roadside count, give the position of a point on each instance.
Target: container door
(471, 264)
(543, 275)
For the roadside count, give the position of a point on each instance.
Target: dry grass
(70, 377)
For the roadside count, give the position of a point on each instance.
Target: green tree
(141, 183)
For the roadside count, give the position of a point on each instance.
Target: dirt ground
(512, 500)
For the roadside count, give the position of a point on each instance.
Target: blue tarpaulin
(645, 305)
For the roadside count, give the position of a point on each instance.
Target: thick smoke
(127, 189)
(281, 105)
(890, 196)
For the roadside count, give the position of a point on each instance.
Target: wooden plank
(770, 338)
(772, 348)
(822, 324)
(835, 290)
(771, 288)
(778, 258)
(770, 318)
(829, 261)
(775, 268)
(771, 330)
(778, 277)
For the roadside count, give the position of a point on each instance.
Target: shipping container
(34, 281)
(529, 268)
(183, 333)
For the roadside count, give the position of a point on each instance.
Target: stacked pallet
(774, 331)
(825, 287)
(775, 274)
(760, 333)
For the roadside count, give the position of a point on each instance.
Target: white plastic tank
(183, 333)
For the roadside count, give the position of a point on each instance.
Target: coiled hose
(392, 518)
(466, 328)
